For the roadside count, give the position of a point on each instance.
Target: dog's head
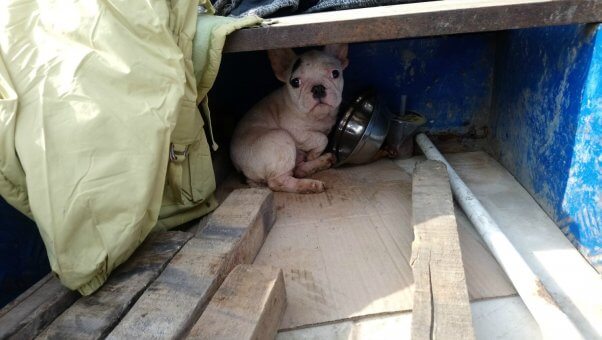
(313, 80)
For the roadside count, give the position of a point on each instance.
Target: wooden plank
(233, 235)
(345, 253)
(93, 317)
(248, 305)
(25, 295)
(412, 20)
(441, 307)
(33, 310)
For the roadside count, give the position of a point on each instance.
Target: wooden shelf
(412, 20)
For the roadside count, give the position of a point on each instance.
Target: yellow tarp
(94, 98)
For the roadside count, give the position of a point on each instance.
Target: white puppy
(285, 134)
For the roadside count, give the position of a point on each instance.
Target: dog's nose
(319, 91)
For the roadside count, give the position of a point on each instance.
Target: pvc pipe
(552, 321)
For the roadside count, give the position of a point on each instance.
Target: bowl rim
(341, 127)
(366, 95)
(347, 117)
(365, 136)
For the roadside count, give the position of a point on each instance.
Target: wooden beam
(412, 20)
(249, 305)
(233, 235)
(94, 316)
(28, 314)
(441, 307)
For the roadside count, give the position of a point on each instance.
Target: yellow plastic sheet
(93, 97)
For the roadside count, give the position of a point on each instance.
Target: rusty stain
(543, 293)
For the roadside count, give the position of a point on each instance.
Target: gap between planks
(174, 301)
(248, 306)
(94, 316)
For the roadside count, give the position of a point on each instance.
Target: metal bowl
(362, 130)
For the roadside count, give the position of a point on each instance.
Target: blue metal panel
(23, 259)
(547, 125)
(448, 79)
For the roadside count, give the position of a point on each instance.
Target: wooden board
(176, 299)
(345, 253)
(504, 318)
(540, 242)
(92, 317)
(441, 309)
(248, 305)
(412, 20)
(33, 310)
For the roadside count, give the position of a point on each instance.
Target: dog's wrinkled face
(313, 80)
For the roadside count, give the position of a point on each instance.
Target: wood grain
(93, 317)
(441, 306)
(412, 20)
(248, 305)
(233, 235)
(27, 315)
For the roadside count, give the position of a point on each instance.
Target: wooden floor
(344, 254)
(500, 318)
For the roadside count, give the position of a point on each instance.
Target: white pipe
(553, 322)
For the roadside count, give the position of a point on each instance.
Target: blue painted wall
(447, 79)
(547, 125)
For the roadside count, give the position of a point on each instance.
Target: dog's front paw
(309, 168)
(330, 159)
(312, 156)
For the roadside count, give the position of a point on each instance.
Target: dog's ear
(281, 60)
(339, 51)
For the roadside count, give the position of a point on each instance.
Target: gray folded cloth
(275, 8)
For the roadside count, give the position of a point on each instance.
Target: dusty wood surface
(537, 238)
(248, 305)
(93, 317)
(345, 253)
(26, 316)
(441, 307)
(498, 318)
(174, 301)
(413, 20)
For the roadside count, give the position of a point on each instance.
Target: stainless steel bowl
(361, 131)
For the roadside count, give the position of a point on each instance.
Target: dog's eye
(335, 74)
(295, 82)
